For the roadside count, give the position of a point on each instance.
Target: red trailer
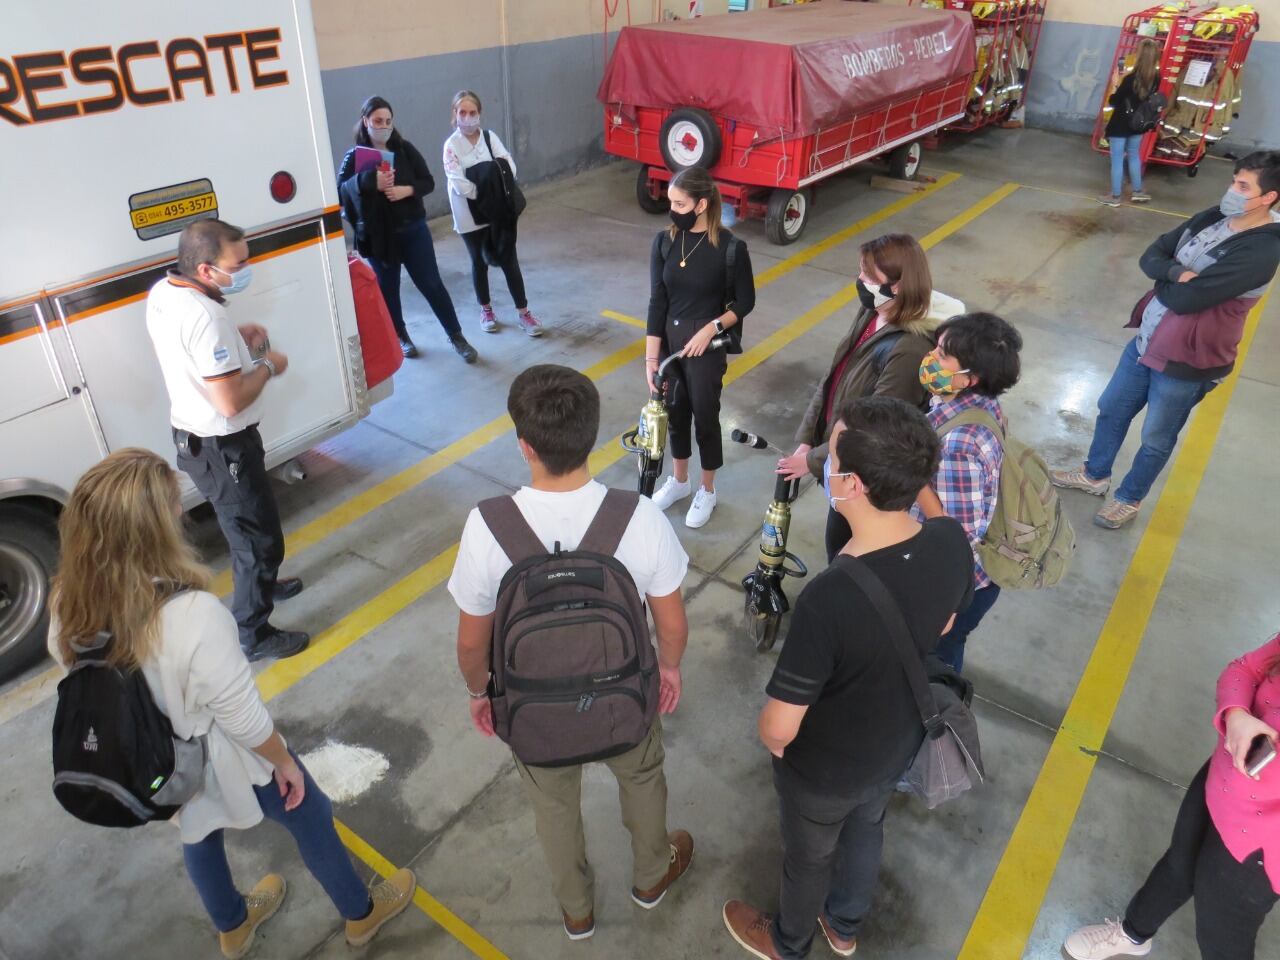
(773, 101)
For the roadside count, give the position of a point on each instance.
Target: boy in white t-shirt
(556, 411)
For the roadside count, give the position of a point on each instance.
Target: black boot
(465, 350)
(407, 347)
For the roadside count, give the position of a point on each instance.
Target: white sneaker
(670, 491)
(704, 501)
(1103, 941)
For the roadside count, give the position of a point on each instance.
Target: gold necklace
(684, 257)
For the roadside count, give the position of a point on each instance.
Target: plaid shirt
(968, 479)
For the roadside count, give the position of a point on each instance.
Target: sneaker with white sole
(530, 324)
(1140, 197)
(670, 491)
(1116, 514)
(579, 929)
(1103, 941)
(488, 322)
(1079, 480)
(1110, 200)
(704, 501)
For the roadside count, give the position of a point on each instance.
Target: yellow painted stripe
(848, 233)
(623, 318)
(1012, 902)
(1081, 196)
(424, 901)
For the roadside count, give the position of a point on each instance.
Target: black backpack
(1145, 115)
(575, 676)
(663, 244)
(116, 761)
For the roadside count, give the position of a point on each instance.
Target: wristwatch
(266, 362)
(719, 325)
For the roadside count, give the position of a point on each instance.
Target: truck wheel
(788, 214)
(28, 557)
(904, 162)
(648, 202)
(690, 138)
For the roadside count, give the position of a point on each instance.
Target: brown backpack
(575, 676)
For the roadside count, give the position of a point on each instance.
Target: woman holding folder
(382, 181)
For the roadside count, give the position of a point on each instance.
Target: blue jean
(951, 644)
(1120, 148)
(311, 824)
(415, 250)
(1169, 402)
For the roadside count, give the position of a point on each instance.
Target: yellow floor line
(1080, 196)
(424, 901)
(1009, 909)
(283, 674)
(623, 318)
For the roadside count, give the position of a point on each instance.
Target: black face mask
(684, 221)
(868, 299)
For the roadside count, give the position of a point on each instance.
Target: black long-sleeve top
(696, 291)
(410, 170)
(1124, 101)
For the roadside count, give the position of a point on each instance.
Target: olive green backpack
(1029, 542)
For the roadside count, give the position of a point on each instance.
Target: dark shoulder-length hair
(361, 135)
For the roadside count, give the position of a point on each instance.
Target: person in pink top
(1225, 851)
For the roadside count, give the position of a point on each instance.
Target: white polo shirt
(196, 343)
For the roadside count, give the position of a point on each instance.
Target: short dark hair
(203, 242)
(556, 411)
(1266, 164)
(987, 346)
(889, 444)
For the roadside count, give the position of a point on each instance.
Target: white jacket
(459, 155)
(202, 682)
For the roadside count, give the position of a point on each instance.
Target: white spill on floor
(344, 771)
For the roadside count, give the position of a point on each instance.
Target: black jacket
(374, 217)
(491, 207)
(1124, 101)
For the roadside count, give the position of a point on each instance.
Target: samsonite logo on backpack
(575, 676)
(116, 762)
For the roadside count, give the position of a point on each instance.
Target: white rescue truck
(119, 124)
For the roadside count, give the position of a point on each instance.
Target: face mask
(684, 221)
(826, 482)
(936, 379)
(380, 135)
(874, 299)
(239, 280)
(468, 124)
(1233, 204)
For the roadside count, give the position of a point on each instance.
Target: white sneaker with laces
(1103, 941)
(704, 501)
(670, 491)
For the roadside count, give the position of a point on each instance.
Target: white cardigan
(202, 682)
(459, 154)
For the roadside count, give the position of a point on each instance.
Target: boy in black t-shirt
(840, 721)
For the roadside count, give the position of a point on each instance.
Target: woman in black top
(1134, 89)
(385, 207)
(687, 309)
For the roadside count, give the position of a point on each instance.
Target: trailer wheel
(28, 557)
(648, 202)
(788, 215)
(904, 162)
(690, 138)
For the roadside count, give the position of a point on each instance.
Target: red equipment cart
(772, 101)
(1006, 33)
(1203, 48)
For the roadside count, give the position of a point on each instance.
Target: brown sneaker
(1079, 480)
(681, 858)
(389, 897)
(262, 903)
(752, 929)
(1116, 514)
(579, 929)
(837, 943)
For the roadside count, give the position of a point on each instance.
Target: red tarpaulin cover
(793, 70)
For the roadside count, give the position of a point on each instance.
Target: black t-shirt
(862, 727)
(695, 292)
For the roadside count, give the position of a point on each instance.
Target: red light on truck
(283, 187)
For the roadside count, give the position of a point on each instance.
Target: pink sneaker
(530, 325)
(488, 322)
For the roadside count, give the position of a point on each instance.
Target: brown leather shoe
(752, 929)
(681, 859)
(837, 943)
(579, 929)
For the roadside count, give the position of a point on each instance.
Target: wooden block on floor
(898, 186)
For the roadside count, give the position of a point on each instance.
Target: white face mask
(468, 124)
(380, 135)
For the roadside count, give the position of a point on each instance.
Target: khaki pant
(556, 795)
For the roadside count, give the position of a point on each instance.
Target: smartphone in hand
(1261, 752)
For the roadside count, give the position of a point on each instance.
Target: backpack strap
(489, 143)
(730, 270)
(880, 353)
(610, 522)
(975, 416)
(510, 529)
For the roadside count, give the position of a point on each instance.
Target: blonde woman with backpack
(128, 574)
(1135, 89)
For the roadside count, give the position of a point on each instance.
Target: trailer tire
(788, 215)
(28, 558)
(690, 138)
(904, 162)
(648, 202)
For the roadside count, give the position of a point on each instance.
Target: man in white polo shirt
(215, 373)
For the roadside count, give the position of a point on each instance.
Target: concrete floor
(1048, 258)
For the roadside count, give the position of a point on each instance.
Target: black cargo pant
(694, 397)
(231, 473)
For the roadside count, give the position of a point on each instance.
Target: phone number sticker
(166, 210)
